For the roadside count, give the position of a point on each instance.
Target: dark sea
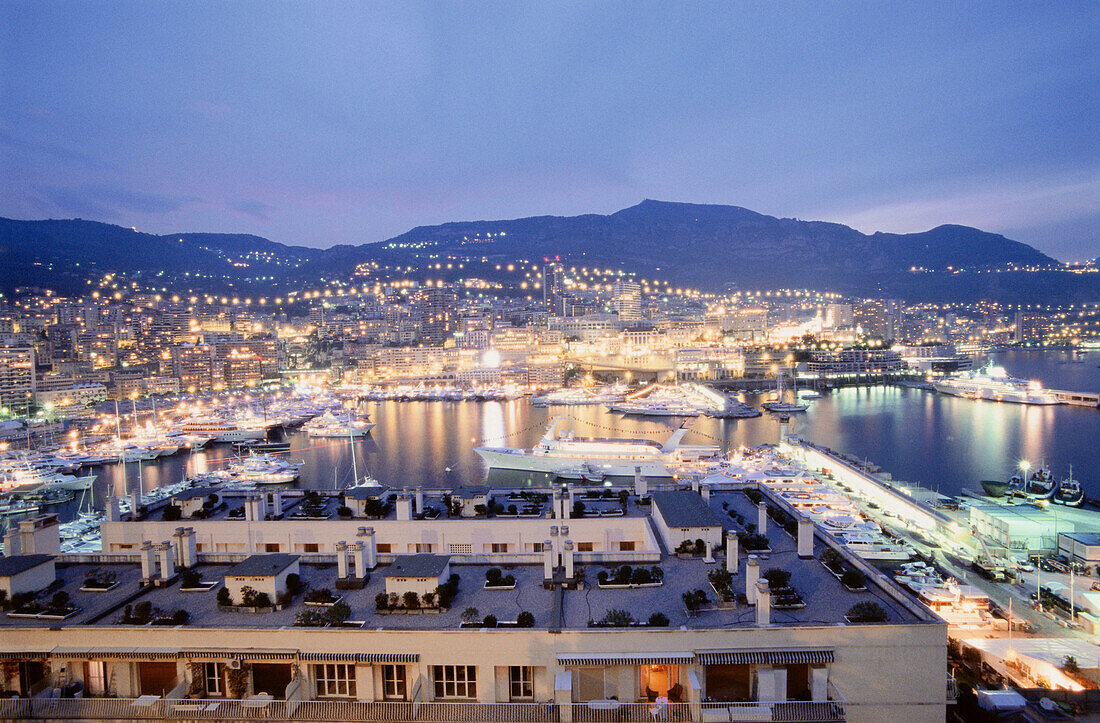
(918, 436)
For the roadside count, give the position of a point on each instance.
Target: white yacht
(221, 430)
(993, 383)
(334, 425)
(778, 406)
(263, 469)
(611, 457)
(870, 546)
(582, 396)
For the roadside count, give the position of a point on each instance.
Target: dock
(1078, 399)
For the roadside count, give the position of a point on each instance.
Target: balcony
(148, 708)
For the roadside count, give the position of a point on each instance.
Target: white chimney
(763, 603)
(148, 557)
(705, 491)
(404, 506)
(135, 503)
(732, 551)
(709, 556)
(186, 547)
(805, 537)
(359, 559)
(567, 557)
(112, 512)
(762, 517)
(370, 548)
(419, 500)
(548, 560)
(341, 560)
(752, 575)
(167, 560)
(277, 502)
(641, 484)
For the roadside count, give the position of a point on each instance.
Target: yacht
(221, 430)
(654, 409)
(582, 396)
(870, 546)
(263, 469)
(333, 425)
(611, 457)
(993, 383)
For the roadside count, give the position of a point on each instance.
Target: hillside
(707, 246)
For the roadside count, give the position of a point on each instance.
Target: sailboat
(779, 406)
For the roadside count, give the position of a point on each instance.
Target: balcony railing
(606, 711)
(827, 711)
(237, 710)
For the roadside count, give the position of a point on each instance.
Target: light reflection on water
(918, 436)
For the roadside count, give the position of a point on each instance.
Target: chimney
(148, 557)
(341, 560)
(732, 551)
(571, 492)
(762, 517)
(251, 509)
(359, 559)
(112, 513)
(276, 502)
(705, 491)
(805, 537)
(186, 547)
(167, 561)
(370, 548)
(404, 506)
(752, 575)
(419, 500)
(641, 484)
(567, 557)
(135, 503)
(784, 428)
(548, 560)
(26, 537)
(763, 603)
(709, 556)
(695, 483)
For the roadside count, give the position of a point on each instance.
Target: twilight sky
(320, 123)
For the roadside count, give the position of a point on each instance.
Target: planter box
(792, 606)
(499, 587)
(54, 616)
(311, 603)
(417, 611)
(100, 589)
(629, 585)
(29, 616)
(203, 587)
(249, 610)
(761, 551)
(860, 622)
(720, 600)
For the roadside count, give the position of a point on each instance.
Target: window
(383, 547)
(311, 547)
(335, 679)
(271, 547)
(520, 682)
(584, 546)
(455, 681)
(500, 547)
(423, 547)
(95, 677)
(461, 549)
(536, 547)
(393, 682)
(212, 673)
(627, 545)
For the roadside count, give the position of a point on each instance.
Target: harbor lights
(1024, 466)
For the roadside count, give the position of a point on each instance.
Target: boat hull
(503, 458)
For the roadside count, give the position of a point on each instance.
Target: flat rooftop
(826, 599)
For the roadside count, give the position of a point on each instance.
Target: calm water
(940, 441)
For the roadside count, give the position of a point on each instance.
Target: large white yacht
(611, 457)
(338, 425)
(221, 430)
(993, 383)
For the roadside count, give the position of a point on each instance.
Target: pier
(1078, 399)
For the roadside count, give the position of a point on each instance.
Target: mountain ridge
(701, 245)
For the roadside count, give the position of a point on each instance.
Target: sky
(318, 123)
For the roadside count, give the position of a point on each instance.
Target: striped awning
(230, 654)
(116, 653)
(578, 659)
(764, 657)
(361, 657)
(24, 654)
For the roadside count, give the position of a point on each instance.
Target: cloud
(256, 209)
(106, 202)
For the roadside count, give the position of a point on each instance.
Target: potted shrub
(866, 612)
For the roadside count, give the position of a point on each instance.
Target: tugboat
(1041, 485)
(1070, 492)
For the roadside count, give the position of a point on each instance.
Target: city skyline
(329, 125)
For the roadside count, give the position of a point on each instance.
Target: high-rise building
(193, 365)
(553, 288)
(437, 315)
(628, 300)
(17, 382)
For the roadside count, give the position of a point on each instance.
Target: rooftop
(21, 563)
(682, 508)
(261, 565)
(422, 565)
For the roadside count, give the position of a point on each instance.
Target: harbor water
(946, 443)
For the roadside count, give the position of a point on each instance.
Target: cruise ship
(611, 457)
(993, 383)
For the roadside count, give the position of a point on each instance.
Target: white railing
(606, 711)
(785, 712)
(237, 710)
